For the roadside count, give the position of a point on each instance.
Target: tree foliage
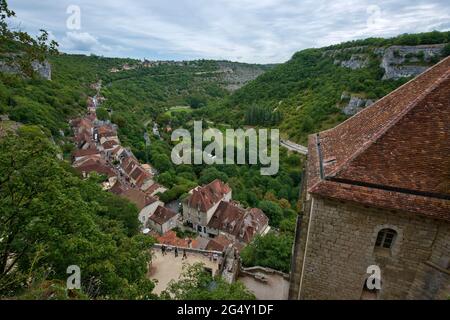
(50, 219)
(197, 284)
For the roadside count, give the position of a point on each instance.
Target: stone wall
(341, 246)
(43, 69)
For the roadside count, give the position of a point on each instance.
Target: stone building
(202, 202)
(377, 193)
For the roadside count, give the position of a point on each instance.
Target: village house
(91, 164)
(146, 204)
(116, 153)
(80, 154)
(210, 211)
(200, 206)
(109, 146)
(152, 188)
(219, 243)
(241, 224)
(117, 188)
(377, 194)
(163, 220)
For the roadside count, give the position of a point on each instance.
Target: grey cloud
(261, 31)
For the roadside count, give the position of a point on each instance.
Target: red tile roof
(219, 243)
(109, 144)
(83, 153)
(254, 223)
(206, 197)
(117, 188)
(170, 238)
(241, 223)
(128, 164)
(95, 166)
(162, 215)
(228, 218)
(152, 188)
(394, 154)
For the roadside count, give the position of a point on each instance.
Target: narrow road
(294, 147)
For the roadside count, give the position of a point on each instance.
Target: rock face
(357, 61)
(235, 75)
(408, 61)
(355, 104)
(43, 69)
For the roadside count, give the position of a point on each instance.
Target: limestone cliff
(408, 61)
(8, 65)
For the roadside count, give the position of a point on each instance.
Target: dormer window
(386, 238)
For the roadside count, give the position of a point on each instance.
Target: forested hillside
(319, 88)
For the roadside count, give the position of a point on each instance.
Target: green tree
(210, 174)
(446, 50)
(272, 251)
(102, 114)
(197, 284)
(273, 211)
(50, 219)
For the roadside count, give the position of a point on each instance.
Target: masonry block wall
(341, 246)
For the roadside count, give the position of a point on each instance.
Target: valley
(96, 141)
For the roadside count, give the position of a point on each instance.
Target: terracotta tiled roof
(83, 136)
(95, 158)
(152, 188)
(228, 218)
(116, 150)
(241, 223)
(219, 243)
(109, 144)
(128, 164)
(170, 238)
(140, 199)
(137, 172)
(83, 153)
(95, 166)
(206, 197)
(162, 215)
(254, 223)
(105, 129)
(117, 188)
(394, 154)
(143, 178)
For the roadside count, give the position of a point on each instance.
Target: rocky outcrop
(355, 103)
(408, 61)
(43, 69)
(356, 61)
(236, 75)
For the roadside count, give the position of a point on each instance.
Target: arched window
(386, 238)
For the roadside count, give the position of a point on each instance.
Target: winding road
(294, 147)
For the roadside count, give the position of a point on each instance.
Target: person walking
(184, 254)
(176, 252)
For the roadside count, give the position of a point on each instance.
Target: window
(386, 238)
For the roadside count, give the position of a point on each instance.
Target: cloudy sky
(256, 31)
